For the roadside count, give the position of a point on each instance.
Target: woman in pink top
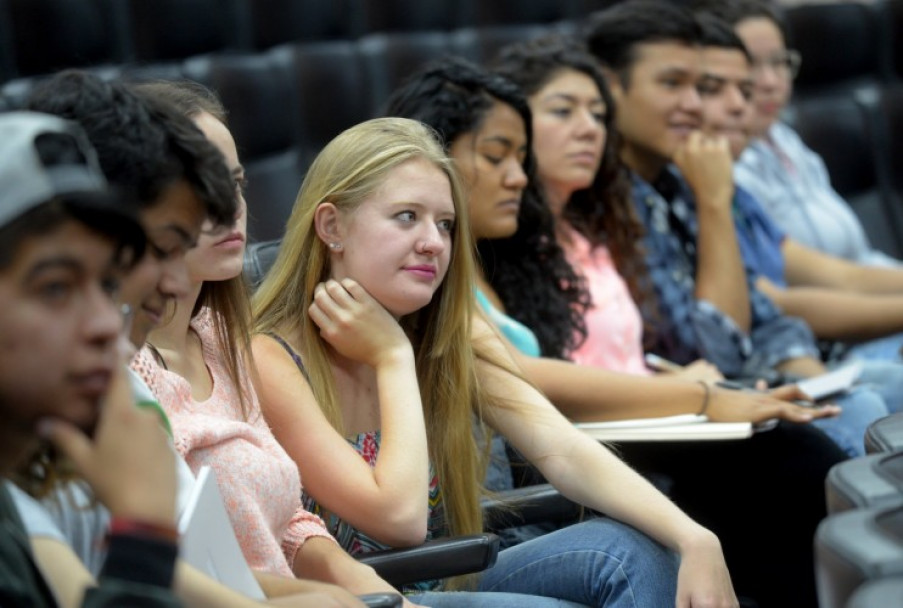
(194, 364)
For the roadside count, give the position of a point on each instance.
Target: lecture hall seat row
(297, 72)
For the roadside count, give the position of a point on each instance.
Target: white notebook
(831, 383)
(208, 540)
(684, 427)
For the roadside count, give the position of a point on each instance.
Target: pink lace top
(259, 481)
(614, 326)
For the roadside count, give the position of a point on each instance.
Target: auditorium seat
(885, 435)
(852, 36)
(893, 19)
(257, 91)
(840, 127)
(883, 593)
(854, 547)
(389, 59)
(333, 92)
(276, 22)
(889, 131)
(869, 481)
(7, 50)
(413, 15)
(481, 44)
(172, 30)
(49, 35)
(508, 12)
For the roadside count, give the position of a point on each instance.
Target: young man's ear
(615, 83)
(327, 222)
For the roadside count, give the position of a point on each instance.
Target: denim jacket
(687, 328)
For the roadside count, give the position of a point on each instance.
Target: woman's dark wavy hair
(602, 213)
(453, 97)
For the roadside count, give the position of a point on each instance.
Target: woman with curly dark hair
(600, 211)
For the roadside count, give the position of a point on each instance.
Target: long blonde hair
(350, 169)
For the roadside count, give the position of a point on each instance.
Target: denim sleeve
(691, 328)
(687, 328)
(775, 336)
(721, 342)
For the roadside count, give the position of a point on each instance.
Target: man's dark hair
(143, 145)
(190, 98)
(733, 12)
(718, 33)
(612, 34)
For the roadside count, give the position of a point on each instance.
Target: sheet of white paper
(644, 422)
(208, 541)
(694, 431)
(832, 382)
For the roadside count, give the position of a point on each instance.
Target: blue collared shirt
(687, 328)
(759, 238)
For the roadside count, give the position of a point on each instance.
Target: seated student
(175, 177)
(374, 370)
(483, 120)
(707, 302)
(840, 299)
(195, 365)
(787, 178)
(64, 243)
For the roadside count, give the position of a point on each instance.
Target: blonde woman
(366, 348)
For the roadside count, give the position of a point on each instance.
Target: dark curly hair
(602, 213)
(143, 145)
(453, 97)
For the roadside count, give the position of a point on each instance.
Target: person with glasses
(787, 177)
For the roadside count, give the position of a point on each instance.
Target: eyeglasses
(785, 62)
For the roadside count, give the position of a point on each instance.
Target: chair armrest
(528, 505)
(381, 600)
(435, 559)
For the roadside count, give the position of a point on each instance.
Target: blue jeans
(462, 599)
(599, 562)
(882, 349)
(861, 406)
(884, 377)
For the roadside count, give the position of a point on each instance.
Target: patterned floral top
(350, 538)
(259, 481)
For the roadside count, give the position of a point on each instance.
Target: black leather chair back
(259, 257)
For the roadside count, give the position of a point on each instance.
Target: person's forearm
(804, 367)
(875, 280)
(284, 591)
(805, 267)
(593, 394)
(323, 560)
(720, 274)
(836, 315)
(400, 474)
(198, 590)
(619, 496)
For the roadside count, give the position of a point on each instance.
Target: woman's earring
(335, 246)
